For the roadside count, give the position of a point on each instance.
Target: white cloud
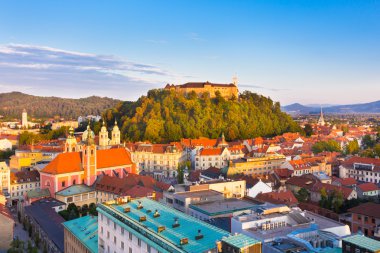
(58, 72)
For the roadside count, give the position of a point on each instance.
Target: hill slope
(164, 116)
(372, 107)
(12, 104)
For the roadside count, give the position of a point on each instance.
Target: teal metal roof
(74, 190)
(85, 229)
(364, 242)
(240, 241)
(169, 239)
(38, 193)
(331, 250)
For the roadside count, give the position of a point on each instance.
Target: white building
(212, 157)
(22, 182)
(24, 119)
(5, 144)
(144, 225)
(361, 168)
(259, 187)
(159, 160)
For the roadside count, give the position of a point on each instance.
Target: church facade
(83, 162)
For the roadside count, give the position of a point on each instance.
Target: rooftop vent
(176, 223)
(127, 210)
(160, 229)
(199, 235)
(184, 241)
(140, 206)
(142, 218)
(156, 214)
(148, 211)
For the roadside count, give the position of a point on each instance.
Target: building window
(63, 183)
(139, 242)
(114, 239)
(74, 181)
(130, 236)
(122, 231)
(122, 245)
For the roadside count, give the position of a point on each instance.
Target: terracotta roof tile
(366, 187)
(369, 209)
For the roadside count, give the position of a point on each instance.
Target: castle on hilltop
(226, 90)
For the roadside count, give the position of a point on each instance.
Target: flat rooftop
(74, 190)
(225, 206)
(294, 220)
(199, 194)
(363, 242)
(85, 229)
(170, 238)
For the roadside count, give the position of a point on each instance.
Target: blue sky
(321, 51)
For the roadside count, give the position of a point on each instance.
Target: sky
(311, 52)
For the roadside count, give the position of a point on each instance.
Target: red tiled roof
(25, 176)
(346, 181)
(366, 187)
(369, 209)
(72, 161)
(64, 163)
(211, 151)
(282, 197)
(112, 157)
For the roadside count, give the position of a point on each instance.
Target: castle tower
(103, 137)
(24, 119)
(321, 120)
(115, 135)
(89, 157)
(235, 80)
(71, 142)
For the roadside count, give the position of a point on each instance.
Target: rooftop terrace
(225, 206)
(85, 229)
(170, 237)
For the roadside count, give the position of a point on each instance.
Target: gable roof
(281, 197)
(112, 157)
(370, 209)
(64, 163)
(211, 151)
(367, 187)
(72, 161)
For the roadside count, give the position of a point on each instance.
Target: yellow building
(226, 90)
(25, 158)
(256, 165)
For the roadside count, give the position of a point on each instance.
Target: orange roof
(211, 151)
(72, 161)
(366, 187)
(112, 157)
(64, 163)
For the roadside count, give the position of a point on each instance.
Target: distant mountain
(372, 107)
(12, 104)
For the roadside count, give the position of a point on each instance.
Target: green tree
(368, 141)
(84, 210)
(324, 198)
(337, 201)
(376, 149)
(308, 130)
(302, 195)
(352, 147)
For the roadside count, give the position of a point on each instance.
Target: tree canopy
(164, 116)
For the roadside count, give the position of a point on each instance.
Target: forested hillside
(164, 116)
(12, 104)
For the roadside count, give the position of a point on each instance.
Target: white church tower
(115, 135)
(103, 137)
(24, 119)
(321, 120)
